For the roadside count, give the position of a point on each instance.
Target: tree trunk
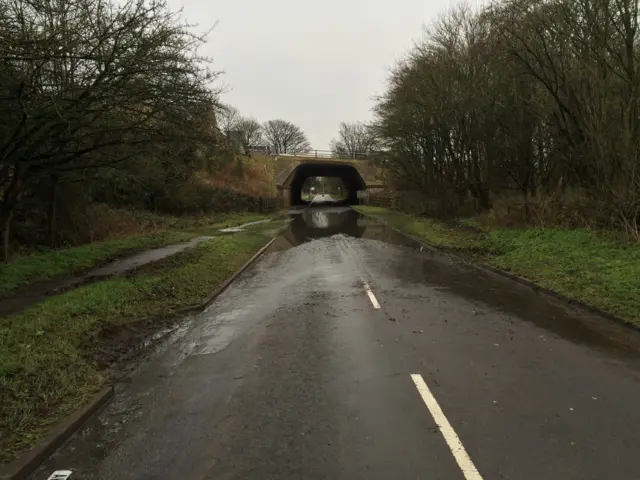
(53, 208)
(8, 204)
(6, 234)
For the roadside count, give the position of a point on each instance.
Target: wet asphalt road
(293, 373)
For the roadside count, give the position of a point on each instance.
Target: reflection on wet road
(294, 372)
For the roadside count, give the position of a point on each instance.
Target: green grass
(38, 267)
(579, 264)
(584, 265)
(371, 210)
(47, 367)
(437, 233)
(45, 266)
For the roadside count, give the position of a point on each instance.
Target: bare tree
(523, 95)
(285, 137)
(229, 120)
(251, 131)
(89, 84)
(354, 138)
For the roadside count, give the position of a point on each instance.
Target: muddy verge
(120, 349)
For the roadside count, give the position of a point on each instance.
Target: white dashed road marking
(372, 297)
(60, 475)
(469, 470)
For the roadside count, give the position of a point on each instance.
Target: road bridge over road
(356, 175)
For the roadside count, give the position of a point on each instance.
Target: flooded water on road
(314, 223)
(412, 262)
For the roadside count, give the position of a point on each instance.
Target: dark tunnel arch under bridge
(353, 181)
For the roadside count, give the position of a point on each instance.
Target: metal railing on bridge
(318, 154)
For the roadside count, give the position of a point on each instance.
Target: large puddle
(414, 263)
(312, 223)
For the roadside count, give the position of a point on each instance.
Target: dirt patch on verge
(120, 349)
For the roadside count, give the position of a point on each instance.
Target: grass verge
(49, 364)
(466, 240)
(37, 267)
(584, 265)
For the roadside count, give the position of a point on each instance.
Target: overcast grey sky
(312, 62)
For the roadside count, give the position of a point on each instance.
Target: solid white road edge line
(469, 470)
(372, 297)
